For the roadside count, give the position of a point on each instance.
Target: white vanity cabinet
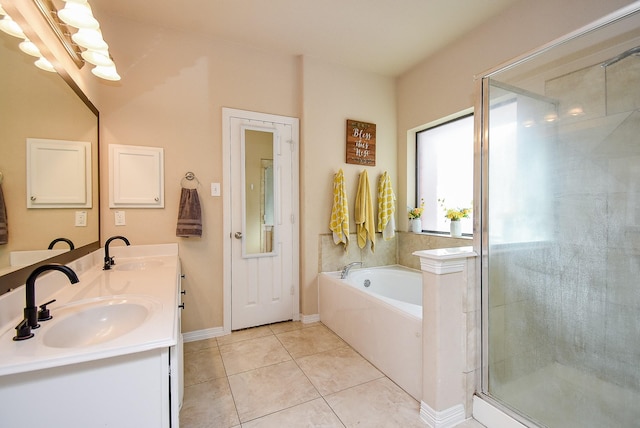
(134, 381)
(129, 391)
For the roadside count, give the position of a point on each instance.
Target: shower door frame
(481, 206)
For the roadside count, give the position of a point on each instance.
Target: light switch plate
(120, 220)
(81, 218)
(215, 189)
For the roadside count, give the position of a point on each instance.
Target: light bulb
(11, 27)
(28, 47)
(78, 15)
(43, 64)
(90, 39)
(107, 73)
(97, 57)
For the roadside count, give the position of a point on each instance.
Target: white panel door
(264, 276)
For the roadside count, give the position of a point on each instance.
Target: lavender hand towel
(4, 228)
(189, 214)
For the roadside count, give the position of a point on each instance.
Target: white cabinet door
(58, 174)
(136, 177)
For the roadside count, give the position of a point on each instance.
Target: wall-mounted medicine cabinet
(58, 174)
(136, 177)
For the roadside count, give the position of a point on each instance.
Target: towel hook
(189, 176)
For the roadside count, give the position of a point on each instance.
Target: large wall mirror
(259, 199)
(35, 104)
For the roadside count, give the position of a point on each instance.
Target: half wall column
(448, 331)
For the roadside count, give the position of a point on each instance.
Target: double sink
(128, 308)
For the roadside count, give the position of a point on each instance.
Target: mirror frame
(16, 278)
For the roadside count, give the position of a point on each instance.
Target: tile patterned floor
(289, 375)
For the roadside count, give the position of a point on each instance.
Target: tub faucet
(347, 268)
(108, 261)
(23, 330)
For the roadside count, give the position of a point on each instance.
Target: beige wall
(443, 84)
(171, 96)
(331, 95)
(173, 88)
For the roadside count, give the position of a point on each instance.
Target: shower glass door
(561, 232)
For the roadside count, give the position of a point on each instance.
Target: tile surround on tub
(398, 250)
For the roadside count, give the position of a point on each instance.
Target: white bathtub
(383, 322)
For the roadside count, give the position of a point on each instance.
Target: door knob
(238, 235)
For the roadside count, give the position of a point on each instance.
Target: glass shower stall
(559, 150)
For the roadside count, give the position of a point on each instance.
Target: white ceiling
(381, 36)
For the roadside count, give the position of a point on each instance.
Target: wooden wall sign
(361, 143)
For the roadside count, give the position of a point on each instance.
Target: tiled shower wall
(398, 250)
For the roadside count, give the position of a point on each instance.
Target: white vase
(455, 228)
(416, 225)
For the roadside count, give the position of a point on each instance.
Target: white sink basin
(94, 323)
(139, 265)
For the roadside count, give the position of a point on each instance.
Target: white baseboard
(443, 419)
(308, 319)
(207, 333)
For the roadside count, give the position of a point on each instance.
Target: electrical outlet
(120, 220)
(215, 189)
(81, 218)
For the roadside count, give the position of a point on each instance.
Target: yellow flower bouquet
(455, 214)
(416, 212)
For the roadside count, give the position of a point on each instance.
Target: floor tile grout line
(233, 397)
(307, 377)
(343, 345)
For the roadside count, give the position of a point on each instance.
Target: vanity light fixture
(93, 49)
(78, 31)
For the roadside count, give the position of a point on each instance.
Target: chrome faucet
(31, 314)
(108, 261)
(347, 268)
(68, 241)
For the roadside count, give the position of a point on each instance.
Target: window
(444, 171)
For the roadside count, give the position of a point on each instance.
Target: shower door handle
(238, 235)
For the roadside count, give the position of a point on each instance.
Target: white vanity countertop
(152, 277)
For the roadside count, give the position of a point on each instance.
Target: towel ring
(189, 176)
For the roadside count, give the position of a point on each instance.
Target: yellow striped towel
(386, 207)
(339, 224)
(365, 225)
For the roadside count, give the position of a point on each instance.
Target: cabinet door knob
(181, 305)
(183, 292)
